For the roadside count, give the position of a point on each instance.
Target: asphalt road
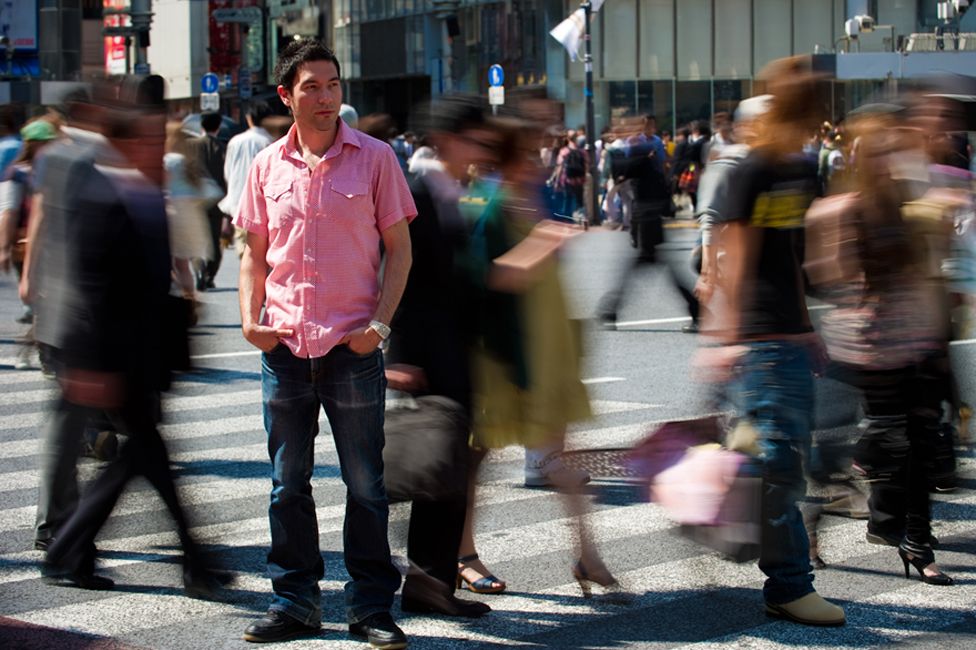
(686, 596)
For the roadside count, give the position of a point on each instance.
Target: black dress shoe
(43, 544)
(380, 631)
(277, 626)
(446, 605)
(424, 594)
(53, 575)
(205, 584)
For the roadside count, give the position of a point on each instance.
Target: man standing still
(316, 207)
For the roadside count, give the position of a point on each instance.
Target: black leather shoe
(43, 544)
(445, 605)
(277, 626)
(423, 594)
(52, 575)
(380, 631)
(205, 584)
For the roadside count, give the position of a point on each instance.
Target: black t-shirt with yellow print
(772, 196)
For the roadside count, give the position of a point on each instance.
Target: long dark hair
(884, 241)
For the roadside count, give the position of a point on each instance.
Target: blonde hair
(178, 141)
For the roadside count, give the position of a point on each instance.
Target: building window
(654, 98)
(693, 101)
(656, 39)
(694, 39)
(620, 39)
(773, 34)
(622, 98)
(733, 38)
(728, 93)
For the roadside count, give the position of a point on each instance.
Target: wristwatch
(380, 328)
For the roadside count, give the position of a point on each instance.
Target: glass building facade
(681, 60)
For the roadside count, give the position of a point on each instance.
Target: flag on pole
(570, 32)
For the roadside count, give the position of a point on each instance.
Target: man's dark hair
(298, 53)
(210, 121)
(258, 111)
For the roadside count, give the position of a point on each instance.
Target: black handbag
(426, 452)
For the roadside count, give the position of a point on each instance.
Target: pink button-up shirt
(324, 230)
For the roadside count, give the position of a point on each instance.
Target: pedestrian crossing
(684, 596)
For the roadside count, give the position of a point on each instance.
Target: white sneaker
(551, 471)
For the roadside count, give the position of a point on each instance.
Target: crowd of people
(429, 264)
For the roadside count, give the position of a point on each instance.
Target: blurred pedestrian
(316, 207)
(42, 286)
(241, 150)
(638, 169)
(211, 153)
(11, 121)
(715, 189)
(16, 206)
(105, 217)
(190, 192)
(878, 258)
(527, 363)
(768, 341)
(431, 341)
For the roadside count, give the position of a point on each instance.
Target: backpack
(575, 164)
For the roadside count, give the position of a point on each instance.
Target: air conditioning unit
(858, 25)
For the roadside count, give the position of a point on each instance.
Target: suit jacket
(106, 268)
(211, 153)
(432, 326)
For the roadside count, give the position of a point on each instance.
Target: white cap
(753, 107)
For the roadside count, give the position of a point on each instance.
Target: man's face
(315, 96)
(650, 127)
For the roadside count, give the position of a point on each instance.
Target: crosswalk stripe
(235, 424)
(519, 619)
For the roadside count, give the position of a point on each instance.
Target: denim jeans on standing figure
(351, 389)
(774, 391)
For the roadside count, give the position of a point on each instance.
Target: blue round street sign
(496, 75)
(209, 83)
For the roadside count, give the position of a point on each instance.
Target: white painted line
(603, 380)
(963, 342)
(170, 405)
(684, 319)
(653, 321)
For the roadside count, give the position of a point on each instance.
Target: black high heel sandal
(920, 560)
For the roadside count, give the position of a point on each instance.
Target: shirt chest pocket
(281, 203)
(350, 199)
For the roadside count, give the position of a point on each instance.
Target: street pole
(594, 214)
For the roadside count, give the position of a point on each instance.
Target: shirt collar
(345, 135)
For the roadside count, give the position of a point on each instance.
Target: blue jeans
(351, 388)
(774, 391)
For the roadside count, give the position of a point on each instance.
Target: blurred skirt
(189, 230)
(506, 414)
